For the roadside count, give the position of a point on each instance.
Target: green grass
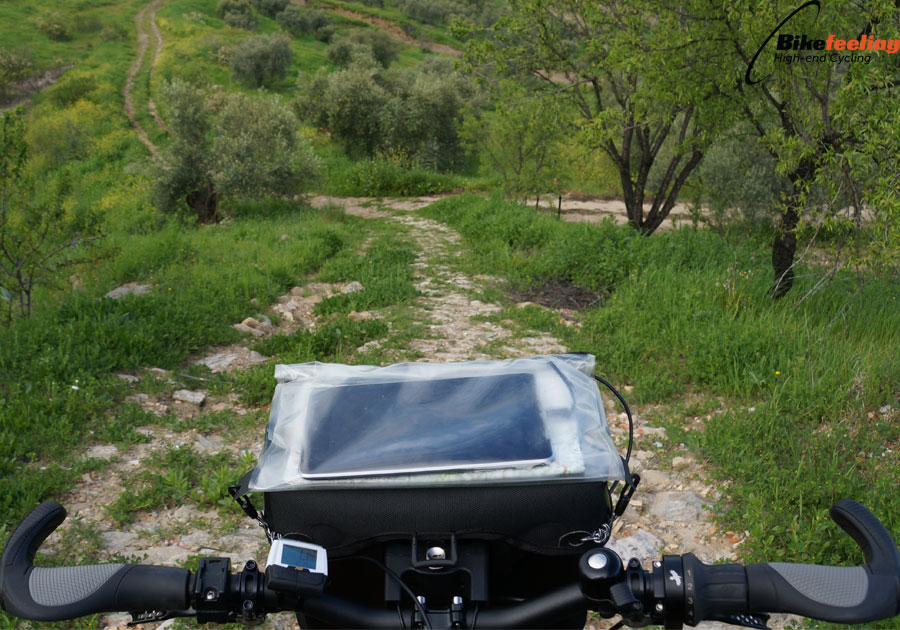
(688, 311)
(177, 475)
(203, 280)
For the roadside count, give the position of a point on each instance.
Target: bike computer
(298, 555)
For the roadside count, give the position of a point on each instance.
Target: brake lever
(152, 616)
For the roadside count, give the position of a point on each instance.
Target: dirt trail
(593, 209)
(151, 105)
(669, 514)
(394, 30)
(143, 41)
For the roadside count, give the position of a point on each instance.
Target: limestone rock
(103, 451)
(678, 506)
(186, 395)
(352, 287)
(641, 545)
(654, 480)
(132, 288)
(232, 358)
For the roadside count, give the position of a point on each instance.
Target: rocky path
(668, 514)
(143, 41)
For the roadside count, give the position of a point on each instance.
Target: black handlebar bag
(515, 450)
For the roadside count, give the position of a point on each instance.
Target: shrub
(237, 13)
(416, 113)
(384, 49)
(53, 25)
(71, 91)
(270, 8)
(325, 33)
(114, 32)
(64, 135)
(261, 59)
(349, 104)
(345, 53)
(13, 68)
(238, 145)
(299, 21)
(82, 23)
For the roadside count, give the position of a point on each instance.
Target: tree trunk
(785, 245)
(783, 250)
(205, 202)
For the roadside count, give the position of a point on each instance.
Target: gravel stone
(678, 506)
(188, 396)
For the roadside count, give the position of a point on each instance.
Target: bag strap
(239, 492)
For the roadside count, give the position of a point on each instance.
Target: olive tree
(229, 145)
(261, 59)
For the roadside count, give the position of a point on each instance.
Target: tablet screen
(424, 426)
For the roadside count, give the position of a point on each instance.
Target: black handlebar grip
(56, 594)
(836, 594)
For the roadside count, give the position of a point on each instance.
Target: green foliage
(72, 90)
(384, 48)
(237, 145)
(270, 8)
(348, 104)
(410, 113)
(394, 175)
(298, 21)
(53, 25)
(443, 12)
(520, 141)
(258, 150)
(203, 281)
(237, 13)
(177, 475)
(38, 235)
(261, 59)
(13, 68)
(627, 95)
(738, 176)
(65, 135)
(688, 311)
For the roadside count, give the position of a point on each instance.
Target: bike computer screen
(298, 555)
(453, 424)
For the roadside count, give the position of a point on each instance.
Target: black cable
(393, 575)
(475, 618)
(402, 620)
(630, 428)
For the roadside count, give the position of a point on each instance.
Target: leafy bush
(72, 90)
(415, 113)
(237, 13)
(737, 180)
(13, 68)
(344, 53)
(113, 31)
(325, 33)
(394, 175)
(383, 47)
(65, 134)
(82, 23)
(236, 145)
(348, 103)
(270, 8)
(299, 21)
(261, 59)
(53, 25)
